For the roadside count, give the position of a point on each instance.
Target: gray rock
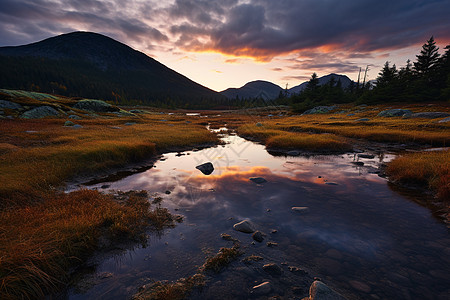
(273, 269)
(95, 106)
(258, 236)
(69, 123)
(320, 291)
(262, 289)
(430, 115)
(320, 110)
(301, 209)
(363, 120)
(244, 226)
(74, 117)
(395, 113)
(258, 180)
(350, 115)
(130, 123)
(444, 120)
(40, 112)
(206, 168)
(77, 126)
(10, 105)
(259, 124)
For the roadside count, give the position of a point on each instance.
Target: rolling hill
(92, 65)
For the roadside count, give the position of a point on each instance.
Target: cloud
(260, 29)
(277, 69)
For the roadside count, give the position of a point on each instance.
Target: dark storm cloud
(23, 21)
(267, 28)
(256, 28)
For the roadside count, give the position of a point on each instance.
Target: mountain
(345, 82)
(92, 65)
(255, 89)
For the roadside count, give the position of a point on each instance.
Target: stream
(358, 236)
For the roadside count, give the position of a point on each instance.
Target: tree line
(426, 79)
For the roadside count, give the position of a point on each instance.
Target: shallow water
(359, 236)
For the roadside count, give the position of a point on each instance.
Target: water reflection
(359, 236)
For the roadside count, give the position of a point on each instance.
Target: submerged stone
(244, 226)
(320, 291)
(273, 269)
(258, 236)
(206, 168)
(262, 289)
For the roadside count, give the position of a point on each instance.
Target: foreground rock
(320, 291)
(40, 112)
(95, 106)
(206, 168)
(395, 113)
(244, 226)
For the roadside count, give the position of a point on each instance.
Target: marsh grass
(430, 169)
(36, 155)
(40, 242)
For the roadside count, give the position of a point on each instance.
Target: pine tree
(427, 59)
(313, 83)
(387, 75)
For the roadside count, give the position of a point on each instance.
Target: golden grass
(44, 158)
(39, 242)
(430, 169)
(280, 139)
(222, 259)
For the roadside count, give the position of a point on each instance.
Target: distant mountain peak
(260, 89)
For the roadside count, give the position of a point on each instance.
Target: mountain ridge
(93, 65)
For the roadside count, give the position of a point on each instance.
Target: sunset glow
(222, 44)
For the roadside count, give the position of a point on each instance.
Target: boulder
(74, 117)
(258, 236)
(262, 289)
(40, 112)
(244, 226)
(395, 113)
(320, 291)
(95, 106)
(10, 105)
(430, 115)
(206, 168)
(273, 269)
(320, 110)
(69, 123)
(301, 209)
(258, 180)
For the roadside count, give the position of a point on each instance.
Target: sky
(227, 43)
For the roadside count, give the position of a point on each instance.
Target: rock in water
(273, 269)
(244, 226)
(206, 168)
(258, 180)
(320, 291)
(301, 209)
(258, 236)
(262, 289)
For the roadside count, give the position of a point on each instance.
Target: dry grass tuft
(222, 259)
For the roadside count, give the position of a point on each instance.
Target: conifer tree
(427, 59)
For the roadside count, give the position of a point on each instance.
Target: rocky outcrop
(320, 110)
(430, 115)
(395, 113)
(40, 112)
(10, 105)
(95, 106)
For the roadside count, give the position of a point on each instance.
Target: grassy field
(43, 232)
